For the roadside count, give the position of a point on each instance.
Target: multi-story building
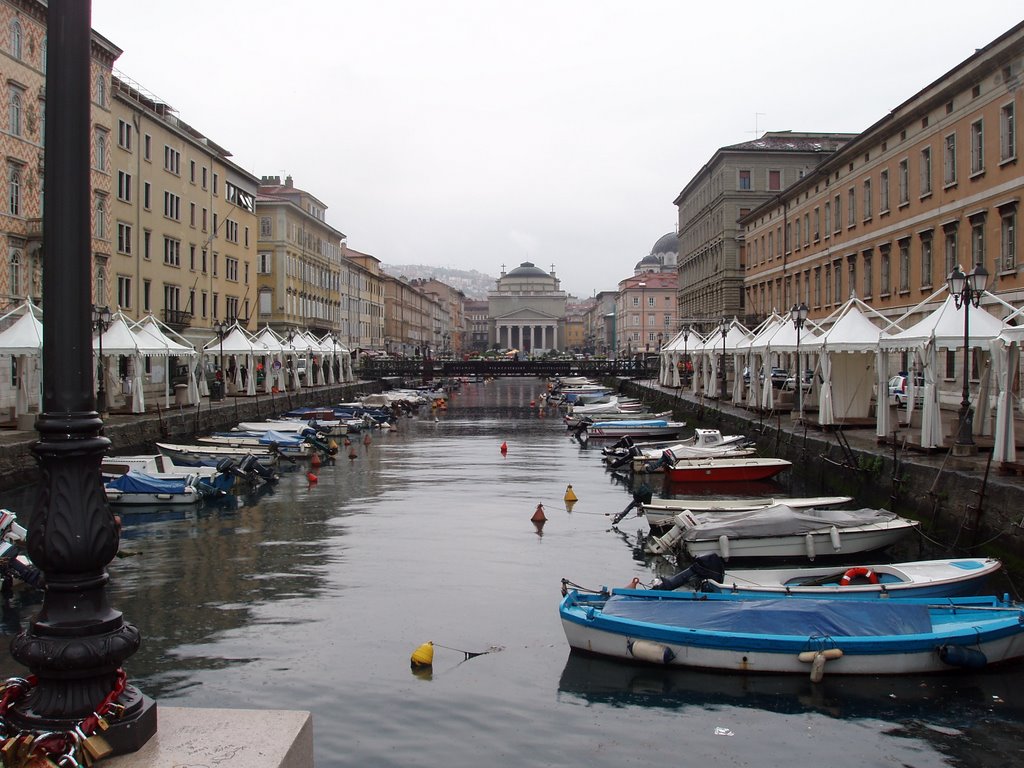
(476, 325)
(527, 310)
(737, 179)
(645, 312)
(408, 318)
(453, 331)
(934, 184)
(366, 301)
(182, 222)
(300, 264)
(23, 38)
(602, 334)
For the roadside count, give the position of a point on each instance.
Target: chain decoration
(79, 747)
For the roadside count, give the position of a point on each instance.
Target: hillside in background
(472, 283)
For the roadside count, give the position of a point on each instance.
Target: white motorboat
(782, 532)
(661, 514)
(210, 455)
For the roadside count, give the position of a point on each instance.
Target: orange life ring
(862, 572)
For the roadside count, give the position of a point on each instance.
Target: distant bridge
(375, 368)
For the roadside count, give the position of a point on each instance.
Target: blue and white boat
(632, 428)
(138, 488)
(750, 633)
(290, 444)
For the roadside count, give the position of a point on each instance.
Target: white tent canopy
(150, 332)
(23, 339)
(239, 344)
(273, 373)
(848, 355)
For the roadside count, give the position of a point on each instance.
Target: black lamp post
(75, 646)
(221, 329)
(799, 316)
(101, 321)
(724, 328)
(966, 289)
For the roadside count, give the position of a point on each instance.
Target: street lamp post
(724, 328)
(101, 321)
(966, 290)
(221, 329)
(799, 316)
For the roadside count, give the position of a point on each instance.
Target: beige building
(366, 302)
(737, 179)
(935, 183)
(182, 225)
(453, 335)
(408, 318)
(23, 100)
(476, 325)
(299, 262)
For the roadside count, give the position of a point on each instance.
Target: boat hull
(996, 633)
(726, 470)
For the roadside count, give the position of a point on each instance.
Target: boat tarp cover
(785, 616)
(271, 437)
(632, 423)
(140, 482)
(780, 520)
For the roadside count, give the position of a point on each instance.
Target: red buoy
(366, 438)
(311, 477)
(538, 515)
(314, 460)
(504, 448)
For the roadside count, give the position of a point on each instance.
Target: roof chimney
(288, 181)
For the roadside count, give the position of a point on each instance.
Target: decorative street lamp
(101, 321)
(724, 328)
(799, 316)
(221, 329)
(966, 289)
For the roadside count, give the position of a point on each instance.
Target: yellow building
(300, 262)
(366, 302)
(183, 223)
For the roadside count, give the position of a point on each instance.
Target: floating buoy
(314, 460)
(538, 515)
(347, 442)
(504, 448)
(569, 495)
(352, 452)
(311, 477)
(367, 439)
(423, 656)
(332, 445)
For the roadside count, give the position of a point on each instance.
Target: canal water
(315, 595)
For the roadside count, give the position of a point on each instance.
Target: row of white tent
(849, 352)
(23, 339)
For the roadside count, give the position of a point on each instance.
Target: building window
(101, 90)
(124, 186)
(100, 222)
(124, 292)
(837, 212)
(883, 192)
(1007, 133)
(817, 286)
(124, 238)
(203, 174)
(124, 135)
(192, 256)
(101, 150)
(147, 238)
(231, 269)
(147, 194)
(926, 261)
(884, 271)
(146, 290)
(851, 207)
(1008, 240)
(147, 147)
(101, 284)
(851, 266)
(904, 182)
(14, 111)
(172, 206)
(807, 229)
(828, 219)
(172, 160)
(867, 200)
(926, 171)
(744, 181)
(774, 181)
(192, 214)
(14, 264)
(868, 274)
(904, 246)
(951, 258)
(978, 240)
(977, 147)
(264, 261)
(14, 190)
(817, 224)
(949, 160)
(192, 171)
(16, 39)
(837, 273)
(231, 231)
(796, 231)
(265, 229)
(172, 252)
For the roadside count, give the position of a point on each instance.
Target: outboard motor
(641, 495)
(709, 567)
(626, 458)
(254, 470)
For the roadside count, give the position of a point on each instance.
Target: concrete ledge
(227, 738)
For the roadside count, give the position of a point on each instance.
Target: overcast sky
(476, 133)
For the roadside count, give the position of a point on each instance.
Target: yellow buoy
(569, 495)
(424, 655)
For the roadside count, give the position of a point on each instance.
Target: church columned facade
(526, 311)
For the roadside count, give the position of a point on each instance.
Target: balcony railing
(177, 318)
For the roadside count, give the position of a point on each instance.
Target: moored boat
(634, 428)
(724, 470)
(661, 514)
(811, 636)
(210, 455)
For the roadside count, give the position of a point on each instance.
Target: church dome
(666, 244)
(527, 269)
(649, 263)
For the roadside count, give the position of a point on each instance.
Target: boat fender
(818, 668)
(723, 546)
(861, 572)
(828, 653)
(809, 545)
(959, 656)
(655, 653)
(834, 535)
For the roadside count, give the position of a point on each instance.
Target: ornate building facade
(526, 311)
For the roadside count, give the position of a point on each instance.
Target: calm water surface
(314, 597)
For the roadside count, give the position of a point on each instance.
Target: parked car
(777, 376)
(808, 382)
(898, 394)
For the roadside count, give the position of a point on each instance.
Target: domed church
(663, 257)
(526, 311)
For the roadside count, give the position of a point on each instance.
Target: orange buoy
(314, 460)
(504, 448)
(367, 439)
(346, 442)
(311, 477)
(538, 515)
(352, 452)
